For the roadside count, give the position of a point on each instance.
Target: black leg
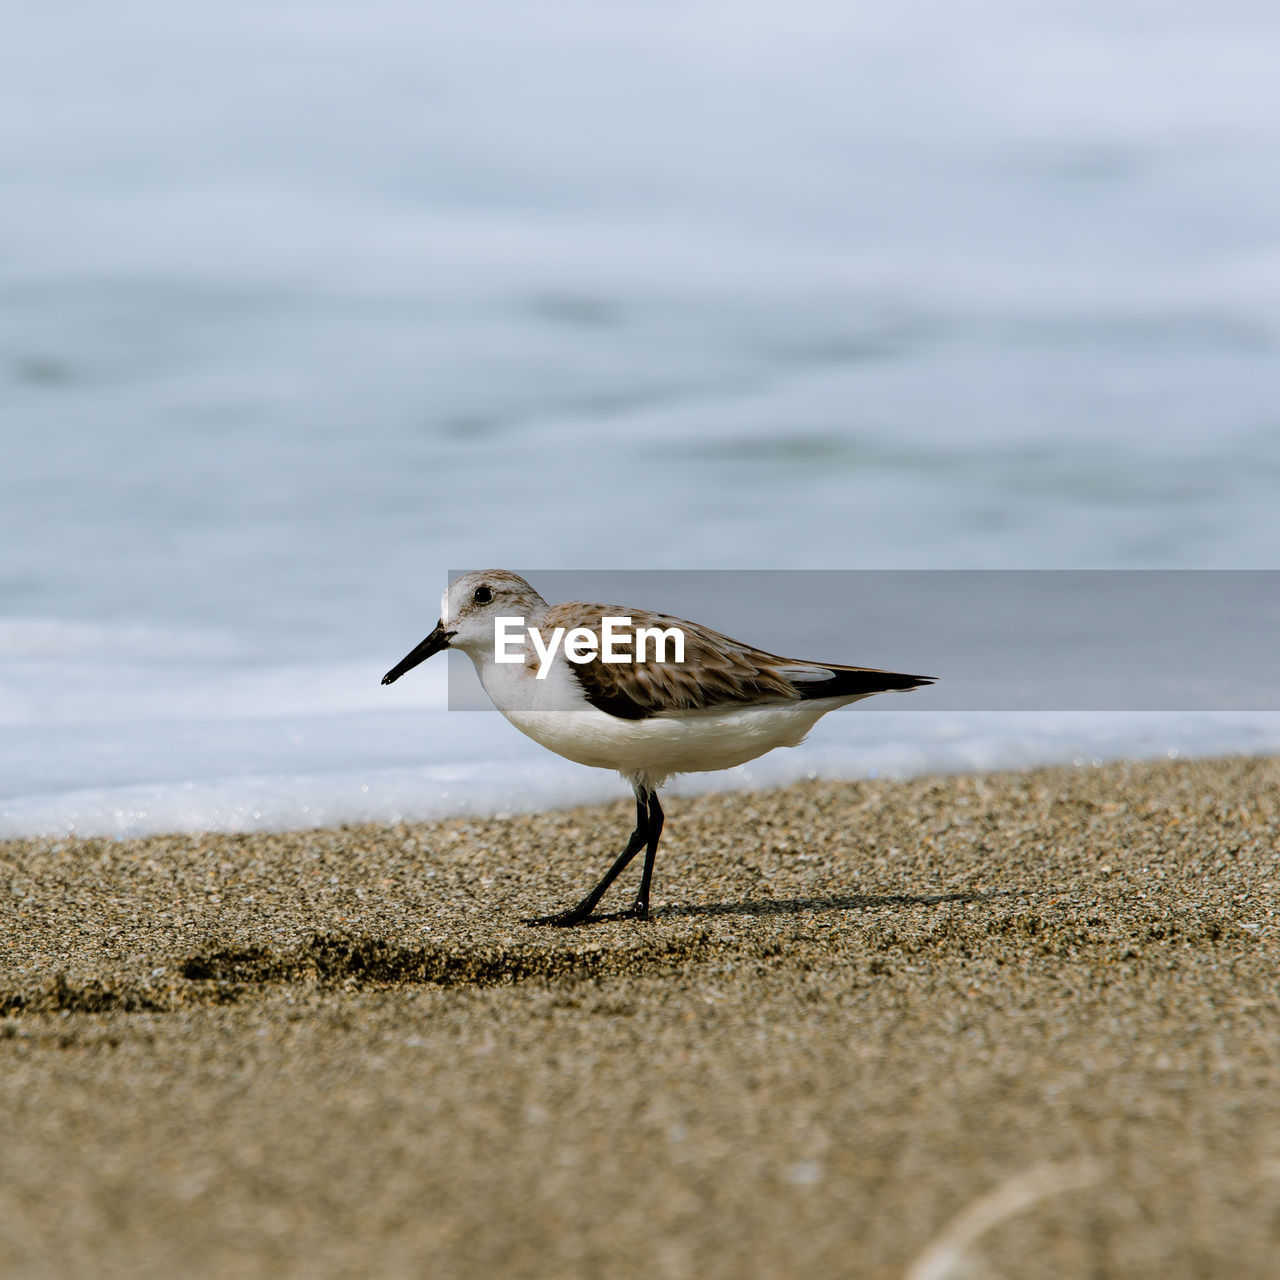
(576, 915)
(641, 908)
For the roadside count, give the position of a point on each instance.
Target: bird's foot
(562, 919)
(582, 913)
(636, 911)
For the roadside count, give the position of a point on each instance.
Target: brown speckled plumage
(717, 671)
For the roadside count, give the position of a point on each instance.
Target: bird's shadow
(798, 906)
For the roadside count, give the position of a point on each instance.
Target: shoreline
(340, 785)
(859, 1008)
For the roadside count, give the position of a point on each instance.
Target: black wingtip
(901, 683)
(855, 681)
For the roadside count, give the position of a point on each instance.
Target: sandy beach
(1002, 1025)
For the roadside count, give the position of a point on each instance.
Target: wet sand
(1002, 1025)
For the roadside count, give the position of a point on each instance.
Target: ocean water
(302, 304)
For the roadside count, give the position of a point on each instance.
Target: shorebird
(723, 704)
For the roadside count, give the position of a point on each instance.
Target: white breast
(554, 713)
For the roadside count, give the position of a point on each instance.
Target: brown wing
(716, 672)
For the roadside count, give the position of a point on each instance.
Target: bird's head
(467, 612)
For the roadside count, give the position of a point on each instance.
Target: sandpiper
(650, 712)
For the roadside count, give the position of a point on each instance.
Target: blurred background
(303, 303)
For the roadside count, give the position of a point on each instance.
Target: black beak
(437, 640)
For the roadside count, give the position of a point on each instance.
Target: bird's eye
(482, 595)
